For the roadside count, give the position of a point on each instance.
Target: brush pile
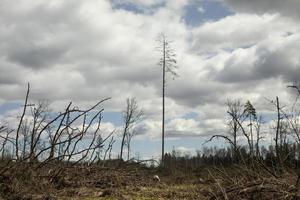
(247, 184)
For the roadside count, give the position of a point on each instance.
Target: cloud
(240, 31)
(88, 50)
(61, 46)
(182, 151)
(272, 58)
(288, 8)
(181, 127)
(141, 2)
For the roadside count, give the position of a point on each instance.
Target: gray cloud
(59, 46)
(196, 92)
(288, 8)
(10, 73)
(34, 35)
(264, 62)
(35, 57)
(84, 51)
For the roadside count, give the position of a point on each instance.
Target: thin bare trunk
(21, 121)
(163, 104)
(277, 148)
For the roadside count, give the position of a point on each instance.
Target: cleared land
(134, 181)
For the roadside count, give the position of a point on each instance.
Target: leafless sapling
(131, 115)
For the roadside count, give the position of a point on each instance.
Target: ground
(134, 181)
(162, 191)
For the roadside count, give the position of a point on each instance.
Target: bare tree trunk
(277, 148)
(123, 142)
(235, 128)
(128, 151)
(169, 65)
(131, 116)
(111, 143)
(108, 150)
(163, 104)
(21, 121)
(257, 127)
(251, 136)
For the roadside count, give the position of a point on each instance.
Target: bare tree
(109, 148)
(240, 124)
(21, 121)
(257, 125)
(97, 151)
(235, 107)
(129, 137)
(169, 65)
(5, 132)
(39, 114)
(131, 115)
(294, 117)
(278, 129)
(25, 132)
(250, 113)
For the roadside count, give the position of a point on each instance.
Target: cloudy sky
(84, 51)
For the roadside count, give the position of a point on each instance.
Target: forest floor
(162, 191)
(108, 183)
(137, 191)
(133, 181)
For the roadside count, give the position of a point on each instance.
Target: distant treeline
(214, 156)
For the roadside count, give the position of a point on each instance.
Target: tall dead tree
(169, 65)
(278, 129)
(278, 148)
(131, 115)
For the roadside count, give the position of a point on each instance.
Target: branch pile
(253, 186)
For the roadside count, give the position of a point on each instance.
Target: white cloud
(85, 51)
(241, 31)
(182, 151)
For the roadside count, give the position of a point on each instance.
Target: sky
(85, 51)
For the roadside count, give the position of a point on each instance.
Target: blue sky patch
(203, 11)
(190, 115)
(9, 106)
(135, 8)
(113, 117)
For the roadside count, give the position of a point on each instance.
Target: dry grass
(135, 182)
